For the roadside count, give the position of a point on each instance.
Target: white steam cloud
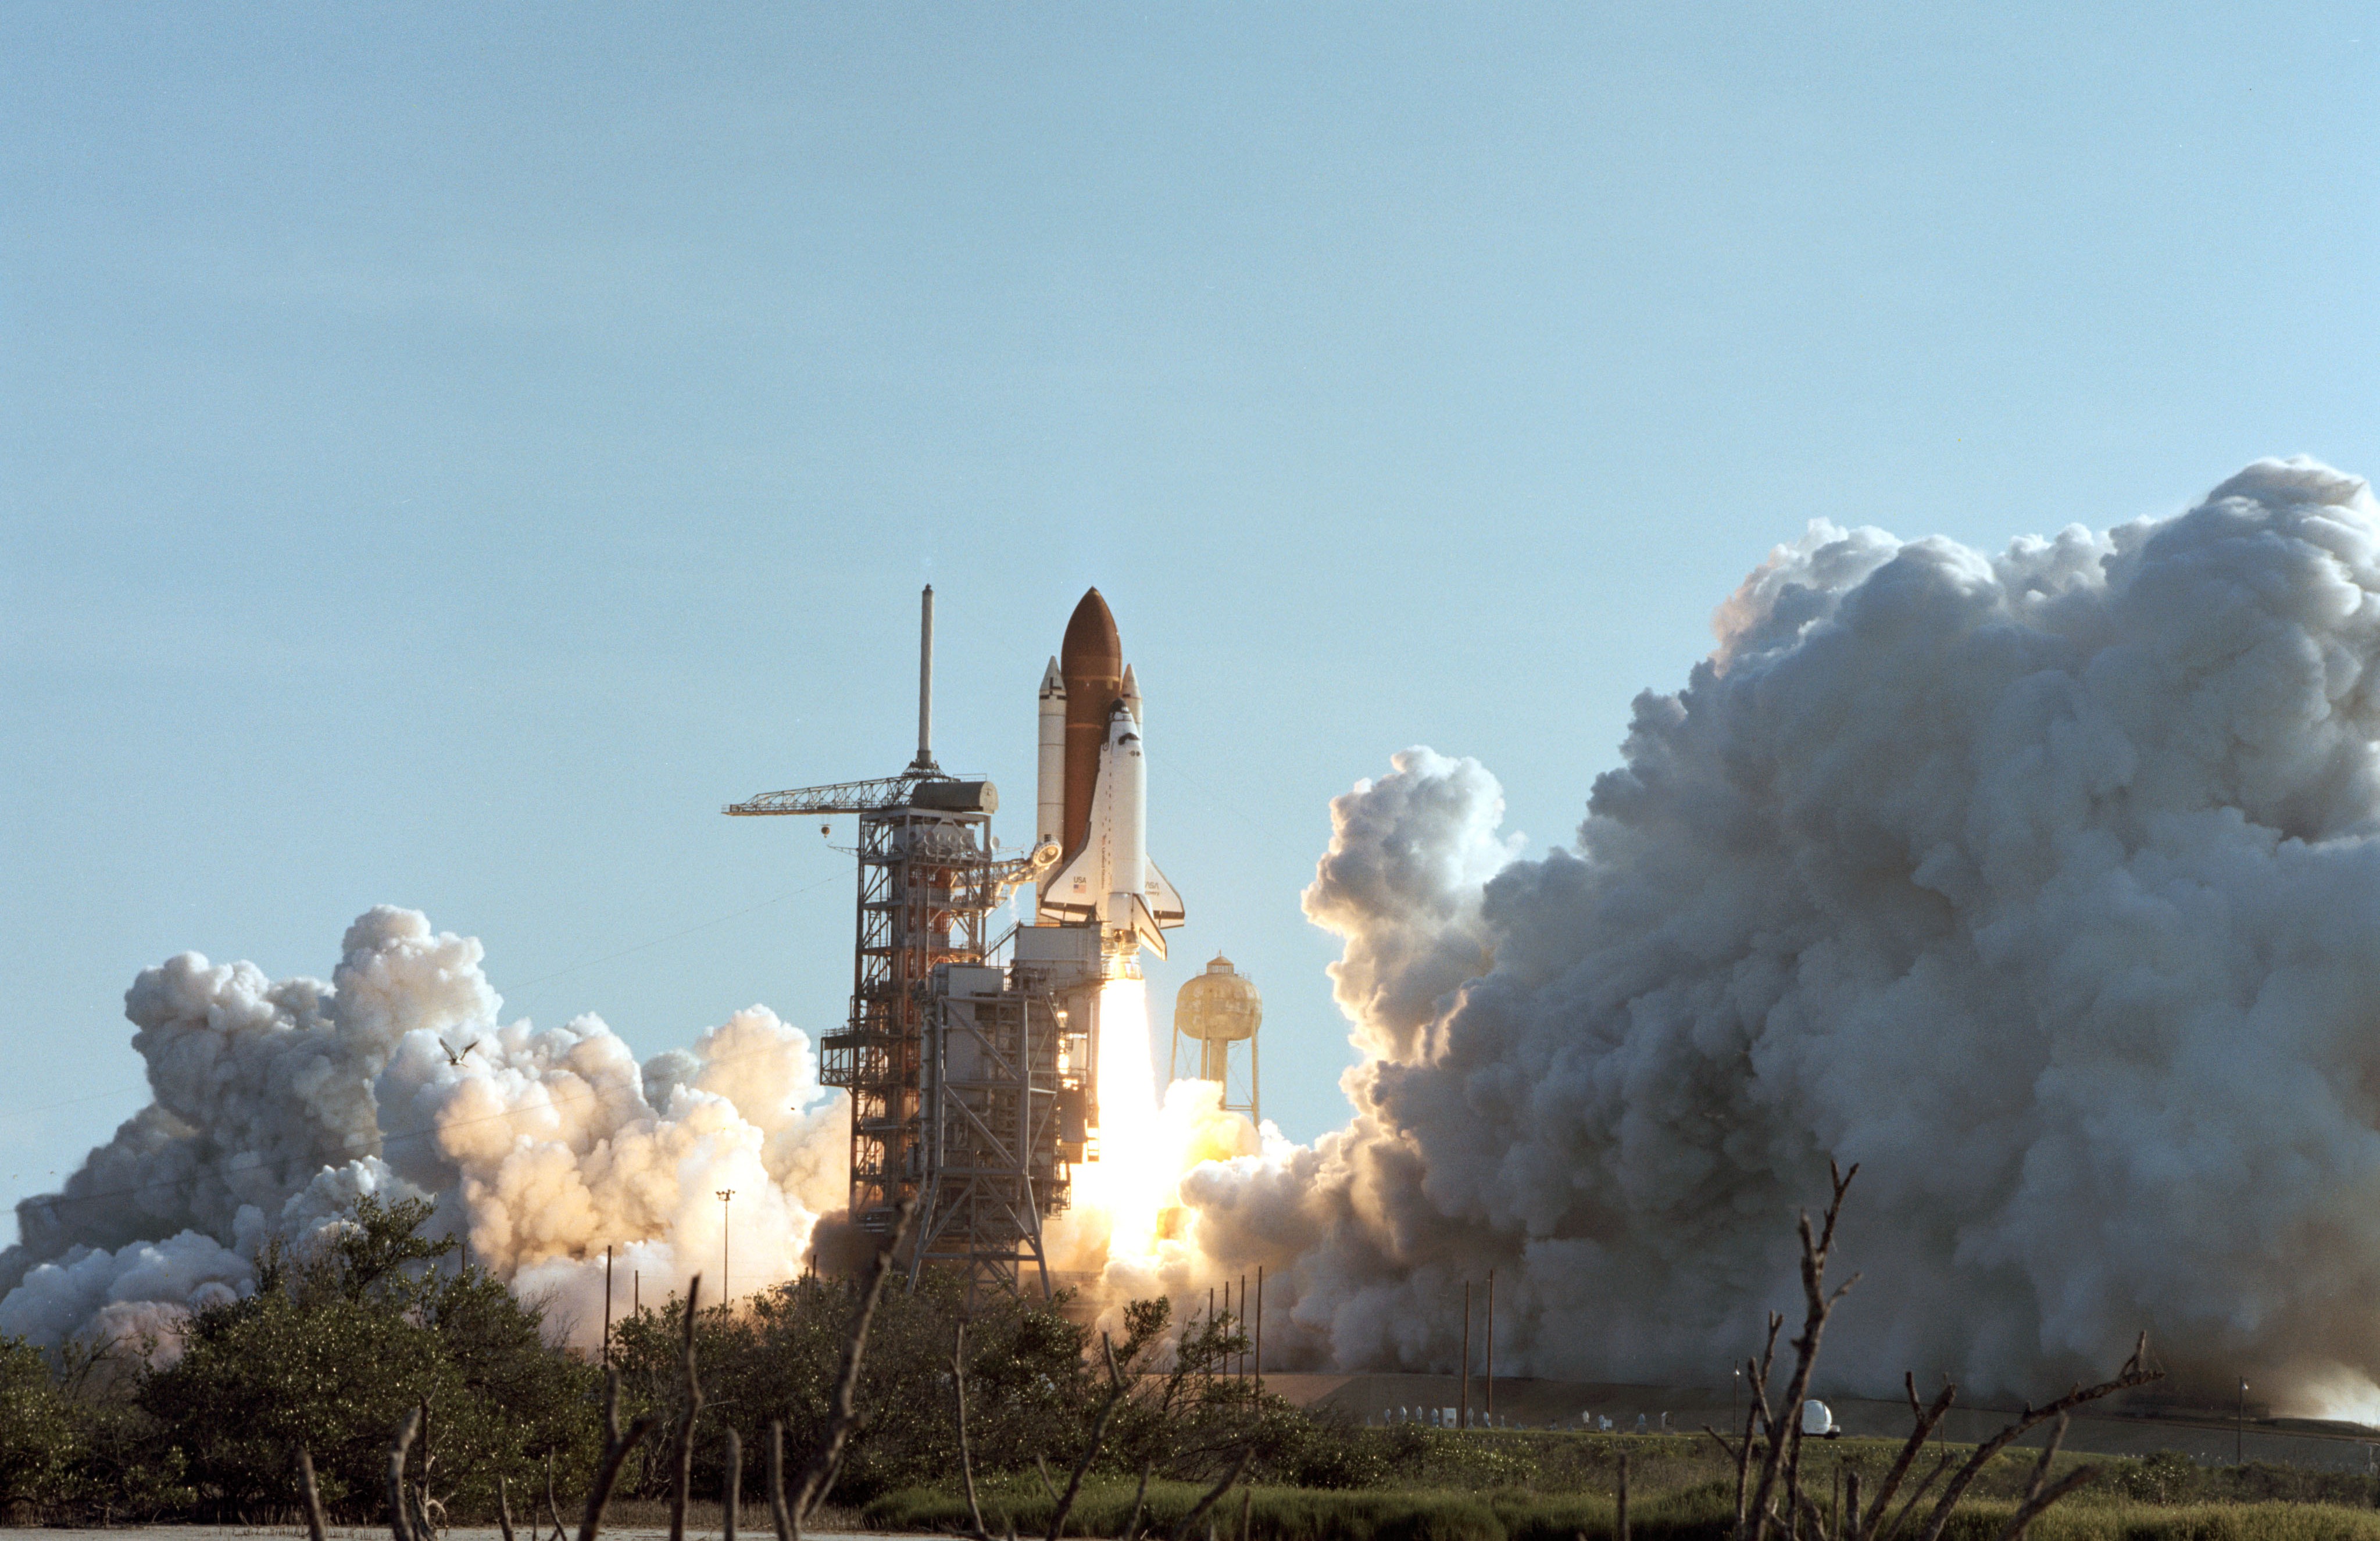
(2045, 886)
(277, 1104)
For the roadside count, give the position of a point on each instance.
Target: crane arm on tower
(842, 797)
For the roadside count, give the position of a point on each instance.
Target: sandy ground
(463, 1533)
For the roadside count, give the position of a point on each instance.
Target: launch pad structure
(969, 1082)
(972, 1063)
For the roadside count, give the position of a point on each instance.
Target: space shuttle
(1093, 794)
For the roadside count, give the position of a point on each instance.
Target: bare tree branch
(1917, 1496)
(616, 1447)
(731, 1493)
(1756, 1416)
(1099, 1438)
(819, 1474)
(1782, 1459)
(2081, 1476)
(966, 1461)
(2135, 1372)
(682, 1458)
(1198, 1511)
(1923, 1420)
(1758, 1517)
(315, 1529)
(777, 1481)
(553, 1510)
(1140, 1497)
(399, 1522)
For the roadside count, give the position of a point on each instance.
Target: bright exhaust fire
(1134, 1179)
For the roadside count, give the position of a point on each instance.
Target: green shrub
(37, 1436)
(330, 1353)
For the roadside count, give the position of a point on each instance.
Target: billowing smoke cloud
(277, 1104)
(2045, 886)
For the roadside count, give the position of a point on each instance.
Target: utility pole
(1259, 1321)
(1491, 1348)
(1463, 1400)
(726, 1294)
(2239, 1430)
(607, 1302)
(1243, 1326)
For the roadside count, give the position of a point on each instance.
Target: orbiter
(1094, 793)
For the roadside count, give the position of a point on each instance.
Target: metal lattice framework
(921, 878)
(953, 1075)
(991, 1095)
(842, 797)
(959, 1099)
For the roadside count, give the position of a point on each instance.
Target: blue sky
(445, 452)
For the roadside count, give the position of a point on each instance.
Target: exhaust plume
(2044, 885)
(277, 1104)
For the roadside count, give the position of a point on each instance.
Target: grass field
(1703, 1515)
(1520, 1488)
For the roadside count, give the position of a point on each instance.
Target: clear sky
(446, 453)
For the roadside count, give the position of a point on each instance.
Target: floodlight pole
(1462, 1401)
(1491, 1348)
(725, 1194)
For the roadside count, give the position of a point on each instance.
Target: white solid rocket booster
(1051, 787)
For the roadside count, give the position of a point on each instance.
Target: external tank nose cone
(1092, 648)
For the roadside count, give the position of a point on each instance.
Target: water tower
(1215, 1011)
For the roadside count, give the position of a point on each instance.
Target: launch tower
(958, 1099)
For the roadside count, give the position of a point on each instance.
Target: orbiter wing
(1081, 889)
(1164, 904)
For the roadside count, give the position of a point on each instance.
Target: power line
(701, 926)
(69, 1102)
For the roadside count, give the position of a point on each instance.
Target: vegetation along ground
(335, 1349)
